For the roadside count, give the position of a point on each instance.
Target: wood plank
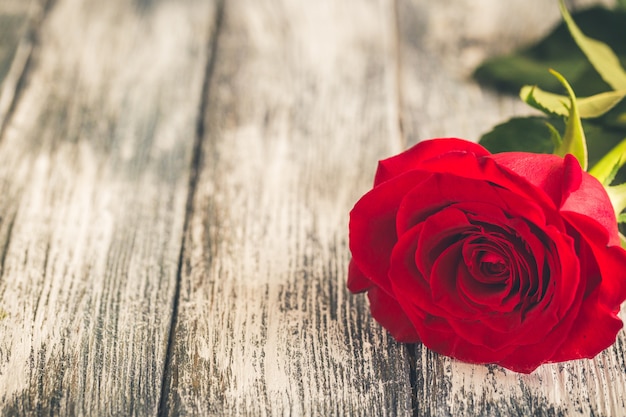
(94, 169)
(301, 107)
(440, 45)
(19, 20)
(13, 25)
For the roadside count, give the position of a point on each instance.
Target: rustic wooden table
(175, 182)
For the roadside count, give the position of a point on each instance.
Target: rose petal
(545, 172)
(592, 201)
(357, 281)
(440, 230)
(527, 357)
(610, 260)
(529, 324)
(486, 170)
(437, 335)
(486, 291)
(443, 283)
(386, 310)
(406, 279)
(594, 329)
(439, 191)
(568, 186)
(412, 158)
(372, 226)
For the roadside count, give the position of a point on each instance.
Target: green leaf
(522, 134)
(509, 73)
(549, 103)
(574, 141)
(599, 104)
(530, 134)
(606, 168)
(616, 117)
(617, 195)
(600, 141)
(599, 54)
(556, 104)
(555, 136)
(559, 51)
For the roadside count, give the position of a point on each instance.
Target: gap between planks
(196, 163)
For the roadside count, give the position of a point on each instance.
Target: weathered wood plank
(301, 107)
(19, 20)
(94, 169)
(441, 44)
(13, 25)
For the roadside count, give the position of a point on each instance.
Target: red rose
(510, 258)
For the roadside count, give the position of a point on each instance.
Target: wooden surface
(175, 182)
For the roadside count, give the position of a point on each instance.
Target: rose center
(493, 265)
(489, 267)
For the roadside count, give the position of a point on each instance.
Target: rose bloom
(511, 258)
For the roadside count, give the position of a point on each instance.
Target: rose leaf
(531, 134)
(559, 51)
(606, 168)
(522, 134)
(600, 55)
(555, 104)
(617, 195)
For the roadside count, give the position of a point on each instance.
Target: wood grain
(13, 26)
(193, 163)
(441, 42)
(300, 108)
(19, 21)
(94, 168)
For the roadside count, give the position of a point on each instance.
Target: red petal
(594, 330)
(407, 280)
(357, 281)
(528, 357)
(440, 231)
(372, 226)
(413, 157)
(568, 186)
(386, 310)
(591, 200)
(443, 189)
(486, 170)
(610, 260)
(436, 334)
(543, 171)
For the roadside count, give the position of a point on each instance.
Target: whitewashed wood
(441, 42)
(300, 108)
(303, 99)
(13, 25)
(94, 168)
(19, 20)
